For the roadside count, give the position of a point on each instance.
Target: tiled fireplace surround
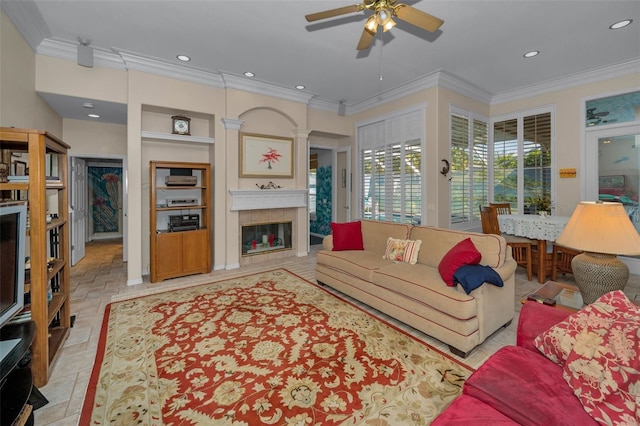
(262, 216)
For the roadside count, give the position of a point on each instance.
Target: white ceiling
(480, 43)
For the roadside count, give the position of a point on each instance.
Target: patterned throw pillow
(402, 250)
(599, 350)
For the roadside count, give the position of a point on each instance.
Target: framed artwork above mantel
(263, 156)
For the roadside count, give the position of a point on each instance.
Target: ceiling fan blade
(365, 39)
(334, 12)
(417, 17)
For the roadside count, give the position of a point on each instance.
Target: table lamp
(602, 231)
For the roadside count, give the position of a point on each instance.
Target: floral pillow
(602, 364)
(402, 250)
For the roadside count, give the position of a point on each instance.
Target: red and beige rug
(269, 348)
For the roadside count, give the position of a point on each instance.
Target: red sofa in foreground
(519, 385)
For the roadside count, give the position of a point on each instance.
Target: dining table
(536, 227)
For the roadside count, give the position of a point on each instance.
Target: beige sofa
(416, 294)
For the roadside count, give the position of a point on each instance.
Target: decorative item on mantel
(270, 185)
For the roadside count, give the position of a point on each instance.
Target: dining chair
(521, 247)
(561, 260)
(502, 208)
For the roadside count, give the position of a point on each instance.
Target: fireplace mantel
(242, 199)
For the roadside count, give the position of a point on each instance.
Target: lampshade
(601, 228)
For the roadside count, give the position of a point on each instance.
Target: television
(13, 235)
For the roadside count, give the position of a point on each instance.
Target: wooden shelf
(14, 186)
(176, 254)
(44, 150)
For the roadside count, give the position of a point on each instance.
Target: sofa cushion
(424, 284)
(347, 236)
(603, 366)
(376, 232)
(463, 253)
(436, 242)
(526, 387)
(359, 263)
(467, 411)
(402, 250)
(471, 277)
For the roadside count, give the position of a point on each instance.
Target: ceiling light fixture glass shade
(249, 74)
(620, 24)
(531, 54)
(300, 87)
(183, 58)
(372, 24)
(383, 17)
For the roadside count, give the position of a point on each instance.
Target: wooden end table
(566, 296)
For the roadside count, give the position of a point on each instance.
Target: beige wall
(87, 137)
(20, 106)
(152, 99)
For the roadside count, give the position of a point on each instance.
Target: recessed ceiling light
(183, 58)
(88, 105)
(531, 54)
(93, 115)
(300, 87)
(620, 24)
(249, 74)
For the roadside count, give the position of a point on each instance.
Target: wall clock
(181, 125)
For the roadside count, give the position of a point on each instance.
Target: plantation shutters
(469, 168)
(390, 168)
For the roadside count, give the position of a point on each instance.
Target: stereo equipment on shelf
(173, 180)
(184, 222)
(182, 202)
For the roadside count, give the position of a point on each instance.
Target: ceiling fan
(594, 118)
(383, 13)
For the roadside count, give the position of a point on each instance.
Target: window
(469, 168)
(522, 162)
(390, 168)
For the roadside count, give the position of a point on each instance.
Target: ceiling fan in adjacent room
(595, 118)
(383, 13)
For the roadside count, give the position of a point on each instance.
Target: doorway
(329, 190)
(614, 152)
(97, 202)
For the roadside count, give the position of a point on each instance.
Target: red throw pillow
(463, 253)
(347, 236)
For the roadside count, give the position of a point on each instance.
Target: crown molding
(438, 78)
(68, 51)
(598, 74)
(26, 16)
(232, 81)
(325, 105)
(166, 69)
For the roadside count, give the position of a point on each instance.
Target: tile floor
(101, 276)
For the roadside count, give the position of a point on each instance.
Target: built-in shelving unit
(179, 220)
(49, 273)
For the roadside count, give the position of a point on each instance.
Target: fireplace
(265, 237)
(259, 225)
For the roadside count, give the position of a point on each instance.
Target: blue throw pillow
(471, 277)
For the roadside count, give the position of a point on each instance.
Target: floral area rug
(264, 349)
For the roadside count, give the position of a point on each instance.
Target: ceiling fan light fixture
(372, 24)
(388, 25)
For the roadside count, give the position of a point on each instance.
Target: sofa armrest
(327, 242)
(536, 318)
